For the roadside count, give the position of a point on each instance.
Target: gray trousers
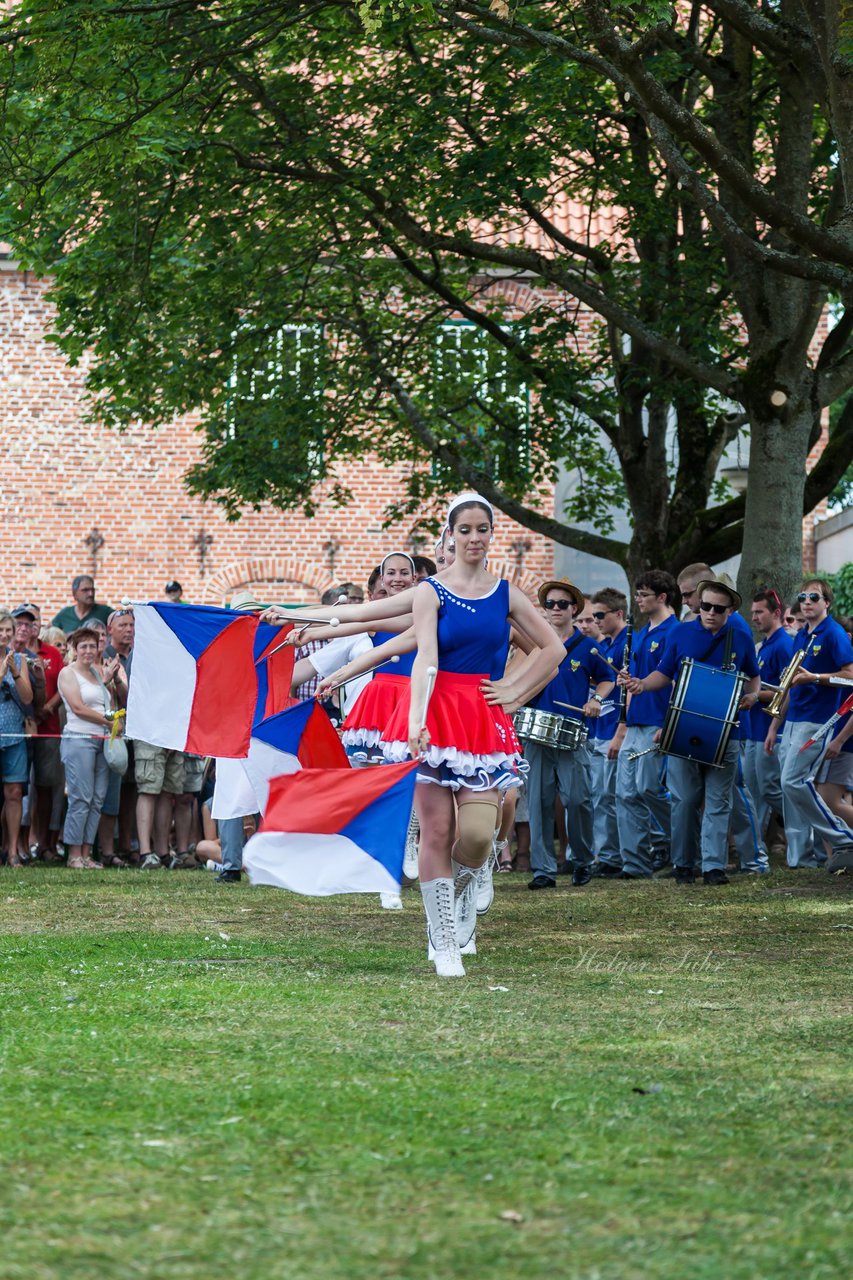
(605, 826)
(231, 840)
(86, 779)
(805, 811)
(745, 826)
(569, 773)
(698, 831)
(642, 807)
(763, 775)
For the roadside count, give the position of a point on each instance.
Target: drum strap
(573, 644)
(727, 656)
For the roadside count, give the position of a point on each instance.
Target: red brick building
(78, 498)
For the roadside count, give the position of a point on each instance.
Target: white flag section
(264, 763)
(334, 831)
(233, 794)
(317, 865)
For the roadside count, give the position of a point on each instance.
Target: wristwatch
(596, 697)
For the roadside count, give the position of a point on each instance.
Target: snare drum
(702, 712)
(549, 729)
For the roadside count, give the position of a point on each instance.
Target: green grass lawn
(205, 1080)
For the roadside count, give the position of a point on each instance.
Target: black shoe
(606, 870)
(686, 875)
(660, 859)
(715, 877)
(565, 868)
(542, 882)
(232, 877)
(626, 875)
(581, 876)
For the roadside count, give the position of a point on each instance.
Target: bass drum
(702, 713)
(549, 729)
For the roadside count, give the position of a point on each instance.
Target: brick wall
(60, 479)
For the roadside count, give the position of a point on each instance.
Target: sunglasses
(813, 596)
(557, 604)
(599, 616)
(707, 607)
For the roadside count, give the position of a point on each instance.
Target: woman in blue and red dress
(468, 749)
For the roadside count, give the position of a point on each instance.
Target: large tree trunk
(773, 524)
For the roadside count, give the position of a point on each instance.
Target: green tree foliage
(203, 181)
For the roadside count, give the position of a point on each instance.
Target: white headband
(390, 556)
(469, 499)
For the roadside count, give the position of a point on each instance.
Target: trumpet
(774, 706)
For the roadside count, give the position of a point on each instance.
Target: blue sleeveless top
(401, 668)
(473, 635)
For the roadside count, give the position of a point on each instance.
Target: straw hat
(564, 585)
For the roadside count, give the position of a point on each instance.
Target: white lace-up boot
(410, 857)
(441, 925)
(485, 883)
(391, 901)
(465, 901)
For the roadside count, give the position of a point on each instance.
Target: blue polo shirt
(828, 648)
(604, 726)
(646, 652)
(691, 640)
(774, 654)
(578, 670)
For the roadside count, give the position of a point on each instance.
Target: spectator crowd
(71, 795)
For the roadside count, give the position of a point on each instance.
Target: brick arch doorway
(273, 579)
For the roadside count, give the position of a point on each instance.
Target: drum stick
(432, 672)
(604, 658)
(571, 706)
(395, 657)
(635, 755)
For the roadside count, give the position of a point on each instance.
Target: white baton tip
(432, 671)
(395, 657)
(334, 622)
(125, 601)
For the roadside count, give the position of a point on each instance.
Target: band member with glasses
(554, 770)
(715, 641)
(610, 612)
(642, 805)
(828, 652)
(762, 765)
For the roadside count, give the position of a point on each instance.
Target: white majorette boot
(485, 883)
(410, 857)
(470, 948)
(465, 901)
(438, 905)
(391, 901)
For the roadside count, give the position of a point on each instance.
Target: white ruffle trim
(478, 772)
(361, 737)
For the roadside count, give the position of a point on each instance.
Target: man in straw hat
(553, 769)
(714, 640)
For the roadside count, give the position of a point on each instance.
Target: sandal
(504, 858)
(15, 860)
(114, 861)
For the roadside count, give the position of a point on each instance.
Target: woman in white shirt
(87, 708)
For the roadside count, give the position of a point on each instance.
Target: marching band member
(713, 640)
(834, 781)
(468, 749)
(567, 771)
(610, 612)
(812, 700)
(642, 806)
(762, 765)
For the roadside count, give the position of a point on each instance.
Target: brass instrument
(774, 706)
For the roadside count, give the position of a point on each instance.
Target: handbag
(115, 754)
(115, 747)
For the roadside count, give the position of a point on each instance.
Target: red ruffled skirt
(373, 708)
(472, 744)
